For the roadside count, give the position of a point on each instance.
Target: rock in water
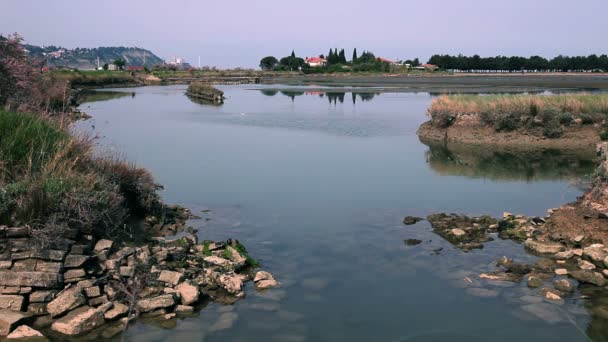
(410, 220)
(564, 285)
(589, 277)
(543, 247)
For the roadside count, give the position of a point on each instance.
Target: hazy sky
(230, 33)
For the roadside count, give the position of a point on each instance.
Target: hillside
(86, 58)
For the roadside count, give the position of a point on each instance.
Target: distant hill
(85, 58)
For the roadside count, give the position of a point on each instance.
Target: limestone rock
(11, 302)
(217, 261)
(544, 247)
(79, 321)
(564, 285)
(103, 244)
(233, 284)
(189, 293)
(117, 311)
(564, 255)
(23, 331)
(170, 277)
(42, 296)
(10, 319)
(184, 309)
(585, 265)
(66, 301)
(75, 261)
(160, 302)
(561, 271)
(458, 232)
(235, 256)
(595, 253)
(31, 279)
(589, 277)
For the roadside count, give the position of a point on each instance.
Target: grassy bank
(511, 112)
(52, 182)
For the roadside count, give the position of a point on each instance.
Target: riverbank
(568, 121)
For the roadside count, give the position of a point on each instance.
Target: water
(316, 185)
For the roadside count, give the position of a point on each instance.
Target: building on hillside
(175, 61)
(112, 67)
(316, 61)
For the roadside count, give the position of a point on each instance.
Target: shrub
(507, 123)
(553, 130)
(565, 119)
(604, 135)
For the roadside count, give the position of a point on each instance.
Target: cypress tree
(342, 56)
(293, 54)
(354, 54)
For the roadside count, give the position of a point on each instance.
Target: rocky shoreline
(571, 243)
(82, 283)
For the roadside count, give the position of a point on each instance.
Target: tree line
(336, 62)
(517, 63)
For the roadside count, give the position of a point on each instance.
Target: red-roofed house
(316, 61)
(135, 68)
(431, 67)
(385, 60)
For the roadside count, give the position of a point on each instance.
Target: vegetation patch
(511, 112)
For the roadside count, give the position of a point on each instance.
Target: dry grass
(513, 111)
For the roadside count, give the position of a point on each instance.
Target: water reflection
(332, 96)
(204, 102)
(505, 164)
(102, 95)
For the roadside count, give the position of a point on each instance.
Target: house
(316, 61)
(135, 68)
(112, 67)
(385, 60)
(429, 67)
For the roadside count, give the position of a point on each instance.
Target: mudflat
(452, 82)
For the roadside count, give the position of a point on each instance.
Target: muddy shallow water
(316, 184)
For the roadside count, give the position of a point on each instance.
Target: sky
(238, 33)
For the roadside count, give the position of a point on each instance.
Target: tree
(354, 54)
(18, 75)
(120, 63)
(293, 54)
(342, 57)
(268, 63)
(105, 66)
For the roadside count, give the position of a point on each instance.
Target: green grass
(27, 144)
(51, 181)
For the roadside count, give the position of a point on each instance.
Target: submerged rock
(563, 285)
(546, 312)
(412, 242)
(264, 280)
(462, 231)
(589, 277)
(410, 220)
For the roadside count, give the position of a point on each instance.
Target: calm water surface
(316, 185)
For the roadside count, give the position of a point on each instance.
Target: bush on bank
(52, 182)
